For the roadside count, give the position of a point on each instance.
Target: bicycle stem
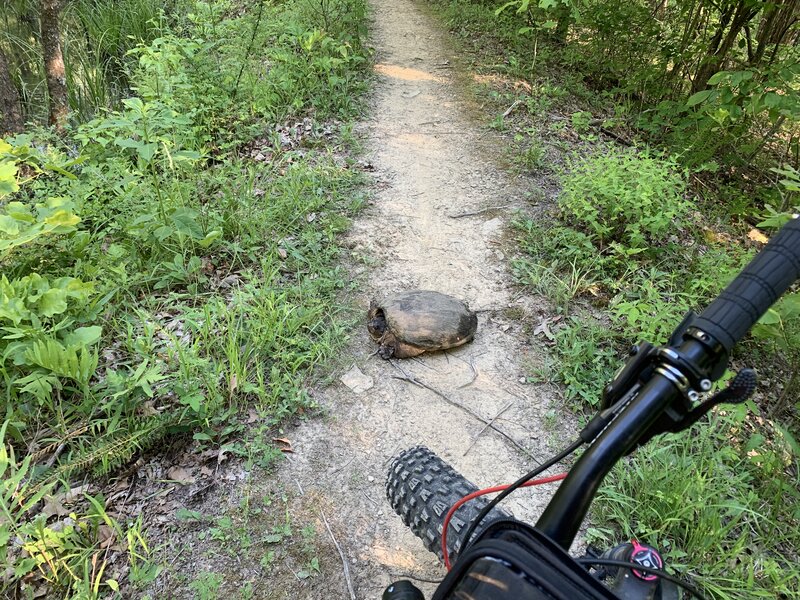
(565, 512)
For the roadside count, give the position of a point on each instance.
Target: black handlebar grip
(731, 315)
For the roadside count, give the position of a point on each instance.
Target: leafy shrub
(630, 197)
(588, 357)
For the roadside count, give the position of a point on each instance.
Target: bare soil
(432, 164)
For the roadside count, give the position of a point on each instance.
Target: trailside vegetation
(167, 251)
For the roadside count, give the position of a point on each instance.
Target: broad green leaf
(147, 151)
(20, 211)
(772, 100)
(185, 220)
(717, 77)
(505, 6)
(771, 317)
(193, 401)
(185, 155)
(134, 104)
(128, 143)
(63, 218)
(184, 514)
(53, 302)
(84, 336)
(13, 309)
(8, 178)
(699, 97)
(210, 238)
(9, 226)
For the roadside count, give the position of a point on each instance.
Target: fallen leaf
(253, 416)
(205, 471)
(54, 507)
(285, 445)
(357, 381)
(105, 535)
(311, 217)
(148, 409)
(543, 327)
(76, 493)
(282, 253)
(593, 289)
(757, 236)
(180, 475)
(233, 384)
(229, 281)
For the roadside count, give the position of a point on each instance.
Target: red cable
(483, 492)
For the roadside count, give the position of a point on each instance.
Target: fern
(109, 452)
(41, 453)
(76, 363)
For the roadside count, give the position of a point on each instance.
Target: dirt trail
(431, 162)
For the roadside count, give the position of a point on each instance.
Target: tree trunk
(10, 109)
(720, 47)
(54, 62)
(778, 19)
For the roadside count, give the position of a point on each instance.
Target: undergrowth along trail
(166, 266)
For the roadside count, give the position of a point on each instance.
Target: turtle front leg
(386, 346)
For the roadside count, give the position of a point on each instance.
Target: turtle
(417, 321)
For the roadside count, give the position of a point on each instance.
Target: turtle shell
(422, 319)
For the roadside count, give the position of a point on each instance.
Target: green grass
(725, 519)
(157, 279)
(719, 500)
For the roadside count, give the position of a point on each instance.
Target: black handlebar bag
(513, 561)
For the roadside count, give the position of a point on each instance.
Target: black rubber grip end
(755, 289)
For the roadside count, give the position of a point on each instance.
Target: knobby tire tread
(421, 488)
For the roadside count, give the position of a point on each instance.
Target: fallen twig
(396, 576)
(474, 375)
(478, 212)
(52, 460)
(411, 379)
(511, 108)
(485, 427)
(616, 136)
(346, 567)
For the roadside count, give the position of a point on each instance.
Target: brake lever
(740, 388)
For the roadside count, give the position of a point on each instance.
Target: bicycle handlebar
(727, 319)
(731, 315)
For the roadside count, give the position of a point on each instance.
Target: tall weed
(626, 197)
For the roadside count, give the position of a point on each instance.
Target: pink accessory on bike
(647, 556)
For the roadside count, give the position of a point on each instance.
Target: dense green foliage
(170, 260)
(702, 497)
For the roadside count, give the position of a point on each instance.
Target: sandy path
(430, 162)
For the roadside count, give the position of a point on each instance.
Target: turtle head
(376, 322)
